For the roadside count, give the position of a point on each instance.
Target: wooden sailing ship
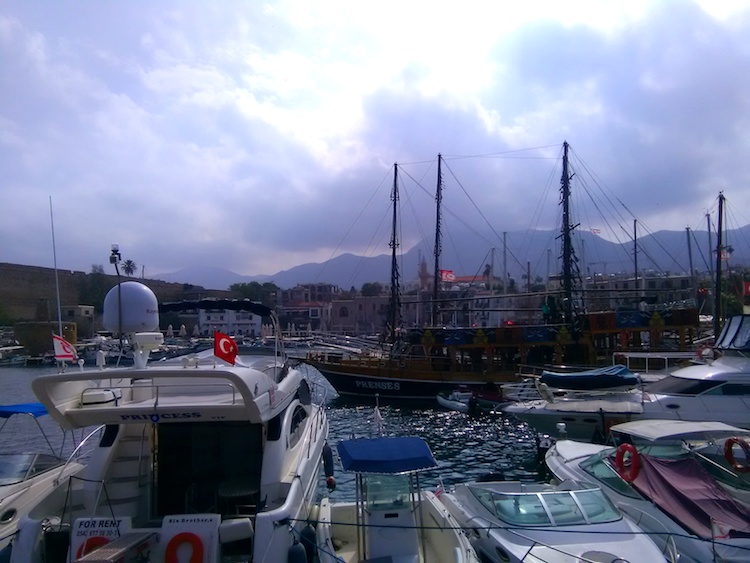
(418, 363)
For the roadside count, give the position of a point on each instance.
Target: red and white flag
(440, 489)
(225, 347)
(447, 276)
(64, 350)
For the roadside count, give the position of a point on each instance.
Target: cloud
(260, 136)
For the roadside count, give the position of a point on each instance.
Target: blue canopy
(390, 454)
(34, 409)
(599, 378)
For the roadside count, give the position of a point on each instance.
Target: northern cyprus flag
(64, 350)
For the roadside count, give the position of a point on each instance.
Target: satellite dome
(140, 309)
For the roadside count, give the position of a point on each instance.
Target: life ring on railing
(705, 352)
(729, 453)
(170, 555)
(90, 545)
(627, 473)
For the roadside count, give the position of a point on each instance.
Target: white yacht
(200, 458)
(713, 390)
(512, 521)
(685, 483)
(27, 474)
(392, 519)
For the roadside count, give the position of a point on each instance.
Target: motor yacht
(711, 390)
(392, 518)
(682, 482)
(512, 521)
(27, 474)
(211, 457)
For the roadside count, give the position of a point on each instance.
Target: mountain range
(536, 252)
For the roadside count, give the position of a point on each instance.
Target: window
(297, 426)
(343, 312)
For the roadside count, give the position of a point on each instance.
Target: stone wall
(29, 293)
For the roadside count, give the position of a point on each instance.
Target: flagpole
(54, 259)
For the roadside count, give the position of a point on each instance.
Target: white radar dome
(140, 309)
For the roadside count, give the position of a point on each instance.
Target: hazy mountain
(664, 251)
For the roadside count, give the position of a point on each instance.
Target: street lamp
(114, 258)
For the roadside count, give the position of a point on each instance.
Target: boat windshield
(386, 492)
(15, 468)
(671, 385)
(554, 507)
(599, 469)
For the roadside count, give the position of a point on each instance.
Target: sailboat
(421, 362)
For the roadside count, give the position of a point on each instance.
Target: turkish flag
(746, 288)
(225, 348)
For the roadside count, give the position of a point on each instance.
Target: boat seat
(201, 497)
(392, 533)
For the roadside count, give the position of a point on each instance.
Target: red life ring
(729, 453)
(170, 556)
(627, 473)
(92, 543)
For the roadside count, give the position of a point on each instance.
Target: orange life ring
(729, 453)
(627, 473)
(170, 556)
(90, 545)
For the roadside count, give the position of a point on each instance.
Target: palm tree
(129, 267)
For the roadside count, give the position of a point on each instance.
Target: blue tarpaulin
(389, 455)
(600, 378)
(35, 409)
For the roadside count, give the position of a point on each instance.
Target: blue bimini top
(385, 455)
(34, 409)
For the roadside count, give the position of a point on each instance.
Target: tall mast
(567, 228)
(394, 313)
(719, 253)
(690, 263)
(635, 257)
(438, 243)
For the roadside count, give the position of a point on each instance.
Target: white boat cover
(664, 429)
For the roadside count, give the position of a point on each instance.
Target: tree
(97, 269)
(129, 267)
(372, 289)
(255, 291)
(487, 271)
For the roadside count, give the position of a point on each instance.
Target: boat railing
(318, 421)
(521, 391)
(78, 451)
(161, 390)
(641, 519)
(653, 361)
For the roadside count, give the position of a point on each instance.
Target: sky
(256, 136)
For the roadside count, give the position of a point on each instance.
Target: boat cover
(612, 405)
(34, 409)
(599, 378)
(390, 454)
(683, 489)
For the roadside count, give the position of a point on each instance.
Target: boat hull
(362, 380)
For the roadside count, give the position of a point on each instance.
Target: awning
(34, 409)
(390, 455)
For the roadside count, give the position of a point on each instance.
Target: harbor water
(464, 446)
